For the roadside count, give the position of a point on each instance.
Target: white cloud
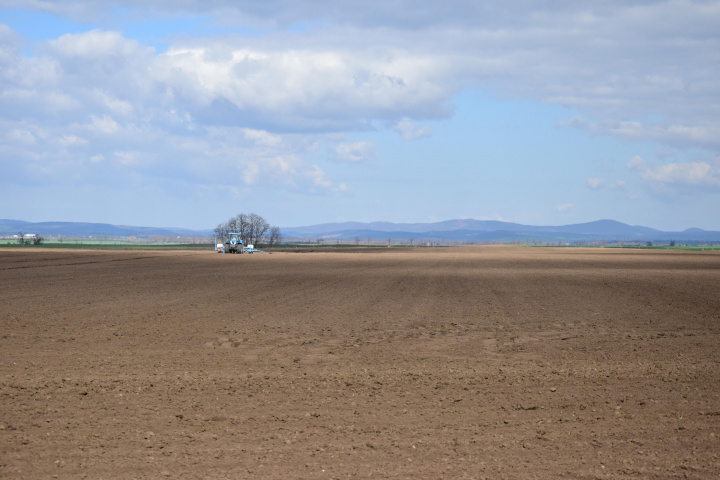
(618, 185)
(304, 88)
(681, 135)
(492, 216)
(114, 105)
(319, 179)
(565, 207)
(636, 163)
(21, 136)
(72, 140)
(354, 151)
(251, 173)
(411, 131)
(678, 174)
(262, 137)
(94, 44)
(403, 62)
(238, 110)
(595, 182)
(104, 125)
(128, 158)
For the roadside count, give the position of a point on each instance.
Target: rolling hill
(465, 230)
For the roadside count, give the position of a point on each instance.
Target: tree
(257, 228)
(38, 240)
(21, 238)
(274, 237)
(252, 228)
(221, 231)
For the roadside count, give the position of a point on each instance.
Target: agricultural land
(469, 362)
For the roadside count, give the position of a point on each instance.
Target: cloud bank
(249, 100)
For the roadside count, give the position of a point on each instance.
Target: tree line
(34, 240)
(253, 230)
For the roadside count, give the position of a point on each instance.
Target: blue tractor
(234, 243)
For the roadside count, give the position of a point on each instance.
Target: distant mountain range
(491, 230)
(450, 230)
(70, 229)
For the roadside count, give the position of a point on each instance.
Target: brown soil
(487, 362)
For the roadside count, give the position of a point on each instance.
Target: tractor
(234, 243)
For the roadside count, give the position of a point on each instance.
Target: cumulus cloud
(354, 151)
(71, 140)
(262, 137)
(405, 61)
(672, 134)
(298, 88)
(21, 136)
(595, 182)
(95, 44)
(319, 178)
(411, 131)
(254, 106)
(104, 124)
(678, 174)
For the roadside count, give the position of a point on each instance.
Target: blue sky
(186, 113)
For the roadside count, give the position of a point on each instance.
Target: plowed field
(485, 362)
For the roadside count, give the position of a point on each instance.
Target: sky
(184, 113)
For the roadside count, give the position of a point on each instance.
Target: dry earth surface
(485, 362)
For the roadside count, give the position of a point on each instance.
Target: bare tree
(252, 228)
(221, 231)
(257, 228)
(239, 224)
(274, 237)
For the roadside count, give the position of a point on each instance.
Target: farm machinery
(234, 244)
